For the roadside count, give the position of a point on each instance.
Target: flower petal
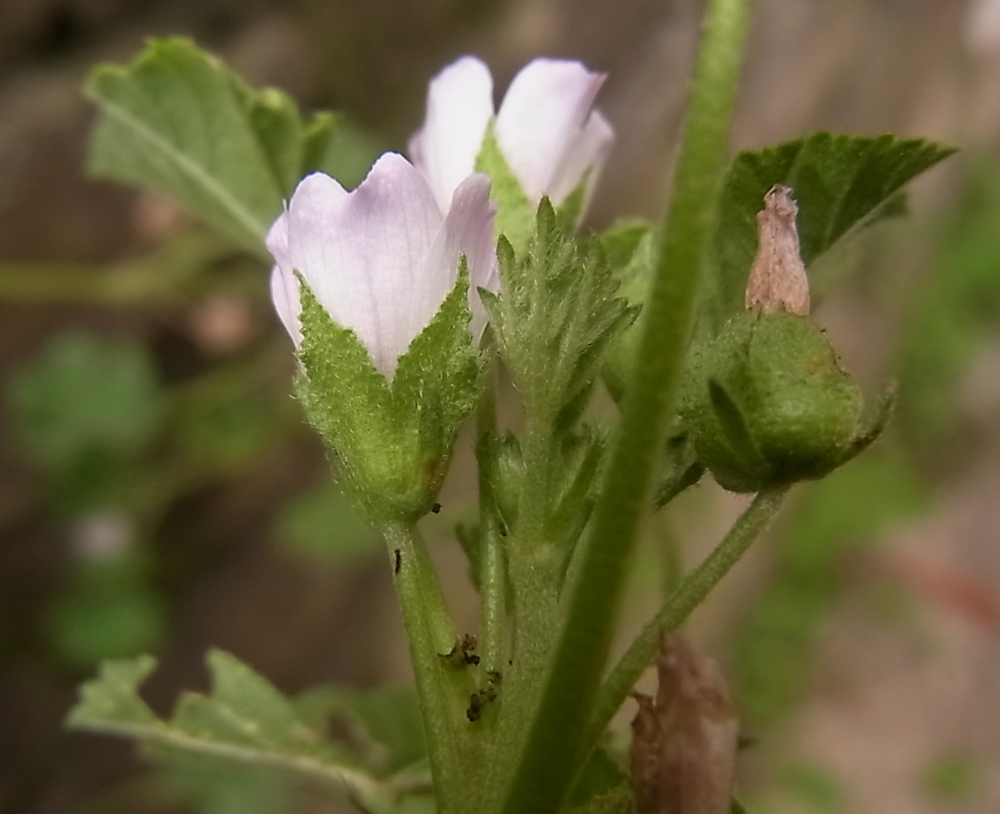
(288, 305)
(587, 154)
(468, 230)
(541, 117)
(459, 107)
(284, 284)
(362, 253)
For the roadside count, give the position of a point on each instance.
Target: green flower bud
(766, 403)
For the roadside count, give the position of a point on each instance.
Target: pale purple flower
(382, 258)
(546, 127)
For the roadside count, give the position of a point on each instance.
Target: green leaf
(179, 122)
(839, 182)
(323, 525)
(383, 725)
(86, 396)
(245, 721)
(555, 316)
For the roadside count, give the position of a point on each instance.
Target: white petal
(585, 157)
(459, 107)
(362, 253)
(284, 284)
(468, 230)
(285, 296)
(541, 117)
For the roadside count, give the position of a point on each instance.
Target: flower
(546, 127)
(381, 258)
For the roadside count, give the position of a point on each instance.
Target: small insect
(462, 652)
(480, 699)
(399, 561)
(436, 508)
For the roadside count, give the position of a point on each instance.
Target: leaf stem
(689, 594)
(547, 761)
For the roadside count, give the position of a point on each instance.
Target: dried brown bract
(684, 741)
(778, 277)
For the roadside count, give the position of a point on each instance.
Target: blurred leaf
(214, 790)
(771, 646)
(838, 181)
(107, 610)
(383, 725)
(86, 395)
(348, 153)
(229, 432)
(601, 786)
(246, 721)
(815, 788)
(178, 121)
(951, 778)
(324, 524)
(950, 316)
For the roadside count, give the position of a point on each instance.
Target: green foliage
(815, 788)
(86, 396)
(515, 218)
(631, 251)
(107, 611)
(178, 121)
(393, 439)
(323, 524)
(949, 316)
(382, 725)
(767, 403)
(839, 181)
(244, 722)
(601, 788)
(952, 778)
(556, 314)
(772, 645)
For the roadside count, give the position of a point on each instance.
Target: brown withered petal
(684, 741)
(778, 277)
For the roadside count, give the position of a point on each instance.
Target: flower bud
(765, 401)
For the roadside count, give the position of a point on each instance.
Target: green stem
(431, 633)
(492, 570)
(546, 763)
(692, 590)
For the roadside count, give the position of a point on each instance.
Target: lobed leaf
(179, 122)
(245, 721)
(839, 181)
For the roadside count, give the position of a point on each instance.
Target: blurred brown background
(215, 534)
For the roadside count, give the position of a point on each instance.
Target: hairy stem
(573, 672)
(688, 595)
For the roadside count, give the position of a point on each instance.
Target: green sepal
(839, 181)
(393, 439)
(555, 316)
(631, 251)
(766, 403)
(244, 722)
(681, 467)
(580, 464)
(515, 218)
(178, 121)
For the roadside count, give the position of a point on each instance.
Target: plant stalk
(546, 764)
